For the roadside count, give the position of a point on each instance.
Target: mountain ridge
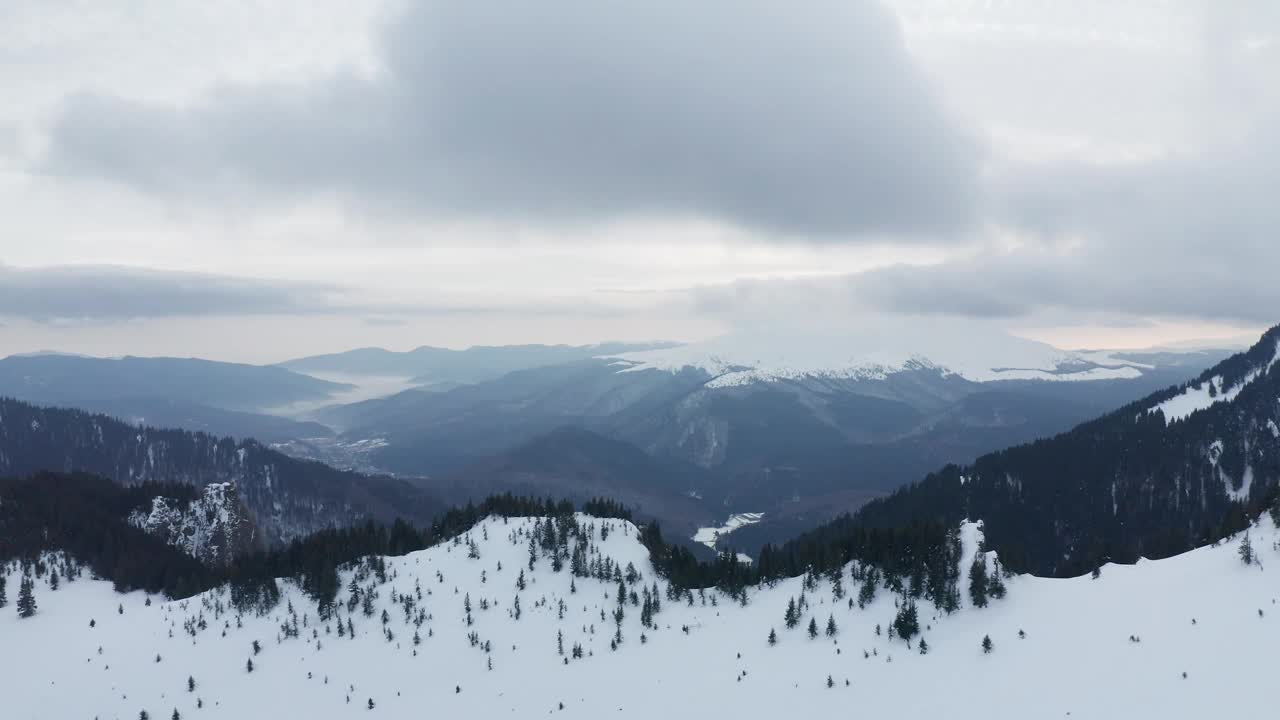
(1129, 484)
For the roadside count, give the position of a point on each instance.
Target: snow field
(1077, 657)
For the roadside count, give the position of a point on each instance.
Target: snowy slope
(1196, 614)
(875, 351)
(1204, 395)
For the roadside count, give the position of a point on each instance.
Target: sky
(253, 181)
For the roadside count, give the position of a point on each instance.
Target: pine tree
(248, 666)
(26, 598)
(987, 645)
(924, 646)
(1246, 550)
(995, 584)
(867, 592)
(830, 682)
(907, 623)
(4, 600)
(813, 628)
(978, 581)
(773, 636)
(370, 703)
(175, 715)
(792, 616)
(831, 626)
(191, 684)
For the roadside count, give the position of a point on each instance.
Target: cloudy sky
(255, 180)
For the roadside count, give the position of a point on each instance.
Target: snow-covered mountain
(877, 350)
(1206, 392)
(473, 628)
(214, 528)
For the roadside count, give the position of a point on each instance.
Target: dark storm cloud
(118, 293)
(803, 119)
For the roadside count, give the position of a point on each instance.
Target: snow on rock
(710, 535)
(1204, 395)
(213, 528)
(877, 350)
(1197, 614)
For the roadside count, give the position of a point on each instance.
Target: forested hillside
(287, 497)
(1157, 477)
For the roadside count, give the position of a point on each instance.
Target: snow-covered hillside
(1188, 637)
(876, 350)
(1203, 395)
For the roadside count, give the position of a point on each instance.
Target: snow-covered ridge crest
(213, 528)
(874, 351)
(1206, 394)
(442, 632)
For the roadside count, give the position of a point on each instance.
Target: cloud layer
(795, 120)
(120, 293)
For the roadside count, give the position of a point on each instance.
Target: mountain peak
(875, 350)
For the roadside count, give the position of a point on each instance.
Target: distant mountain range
(797, 428)
(215, 397)
(429, 365)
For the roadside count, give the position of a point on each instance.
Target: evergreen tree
(370, 706)
(191, 684)
(813, 628)
(987, 645)
(995, 583)
(4, 600)
(867, 592)
(907, 623)
(1246, 550)
(26, 598)
(978, 580)
(924, 646)
(175, 715)
(831, 626)
(773, 636)
(248, 666)
(792, 616)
